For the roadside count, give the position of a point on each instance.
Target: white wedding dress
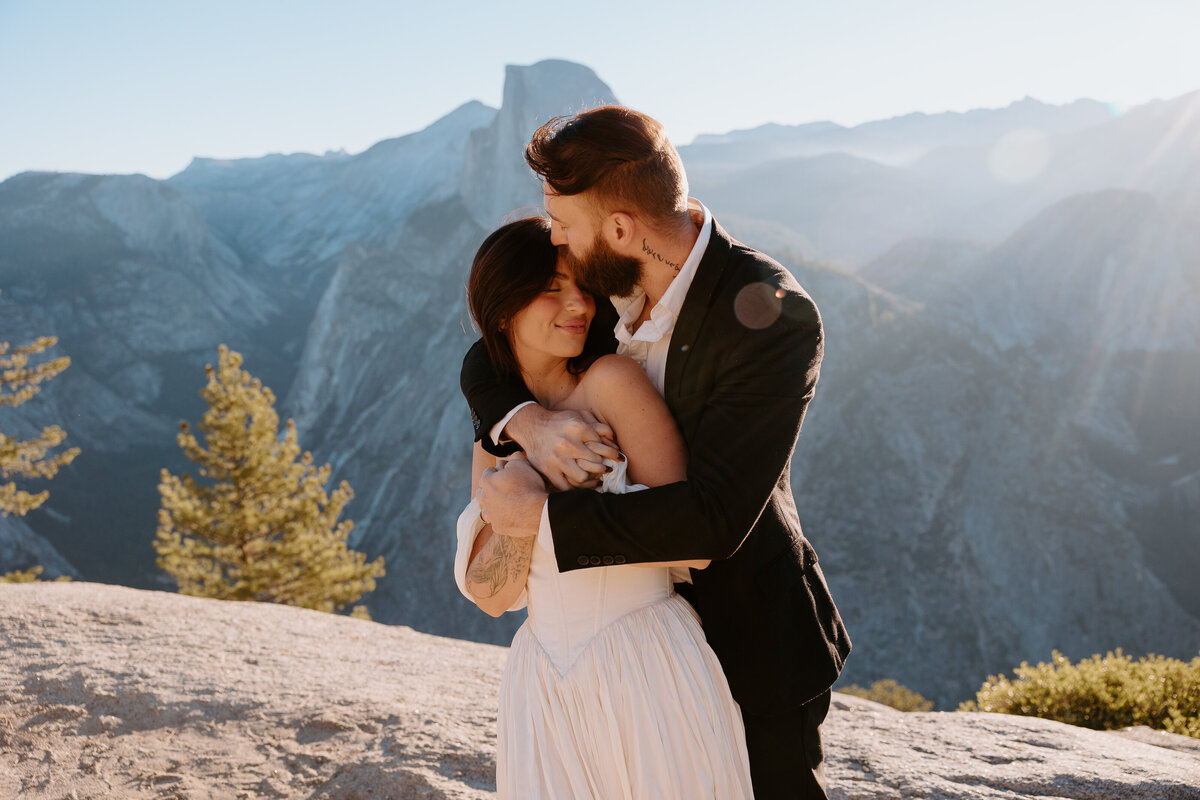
(610, 690)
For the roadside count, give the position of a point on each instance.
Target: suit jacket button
(595, 561)
(582, 561)
(618, 559)
(608, 561)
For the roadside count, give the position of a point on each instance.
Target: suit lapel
(695, 308)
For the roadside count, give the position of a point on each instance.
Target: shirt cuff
(545, 537)
(498, 430)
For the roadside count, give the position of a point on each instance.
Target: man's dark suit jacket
(744, 360)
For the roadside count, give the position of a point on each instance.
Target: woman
(610, 690)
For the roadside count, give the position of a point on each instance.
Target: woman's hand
(568, 447)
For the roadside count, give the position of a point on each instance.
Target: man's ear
(621, 229)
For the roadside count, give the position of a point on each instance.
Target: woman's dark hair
(621, 155)
(512, 266)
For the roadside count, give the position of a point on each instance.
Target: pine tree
(30, 458)
(264, 529)
(28, 576)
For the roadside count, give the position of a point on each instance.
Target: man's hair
(621, 156)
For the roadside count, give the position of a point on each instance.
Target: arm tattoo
(504, 559)
(654, 254)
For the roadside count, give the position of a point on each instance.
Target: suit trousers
(786, 759)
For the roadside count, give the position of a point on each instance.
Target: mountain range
(1003, 456)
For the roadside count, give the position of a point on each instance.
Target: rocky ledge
(110, 692)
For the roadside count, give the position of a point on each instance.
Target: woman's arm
(499, 565)
(620, 393)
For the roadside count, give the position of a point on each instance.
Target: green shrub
(890, 693)
(1101, 693)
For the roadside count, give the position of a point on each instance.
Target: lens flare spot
(1019, 156)
(758, 305)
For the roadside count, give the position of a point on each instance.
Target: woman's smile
(577, 326)
(555, 323)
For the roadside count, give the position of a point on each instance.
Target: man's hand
(511, 496)
(568, 447)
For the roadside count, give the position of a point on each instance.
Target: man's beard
(603, 272)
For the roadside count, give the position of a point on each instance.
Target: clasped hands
(563, 449)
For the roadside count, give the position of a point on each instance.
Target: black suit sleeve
(740, 436)
(489, 397)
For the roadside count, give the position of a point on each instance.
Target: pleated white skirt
(642, 713)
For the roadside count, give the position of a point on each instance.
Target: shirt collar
(663, 315)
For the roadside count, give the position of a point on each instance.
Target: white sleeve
(469, 526)
(681, 575)
(497, 431)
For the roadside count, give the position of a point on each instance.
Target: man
(735, 346)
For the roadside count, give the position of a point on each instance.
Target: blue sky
(140, 86)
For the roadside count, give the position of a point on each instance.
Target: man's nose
(558, 237)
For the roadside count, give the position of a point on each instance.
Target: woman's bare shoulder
(621, 394)
(611, 377)
(616, 383)
(615, 368)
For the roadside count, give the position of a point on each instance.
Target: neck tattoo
(654, 254)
